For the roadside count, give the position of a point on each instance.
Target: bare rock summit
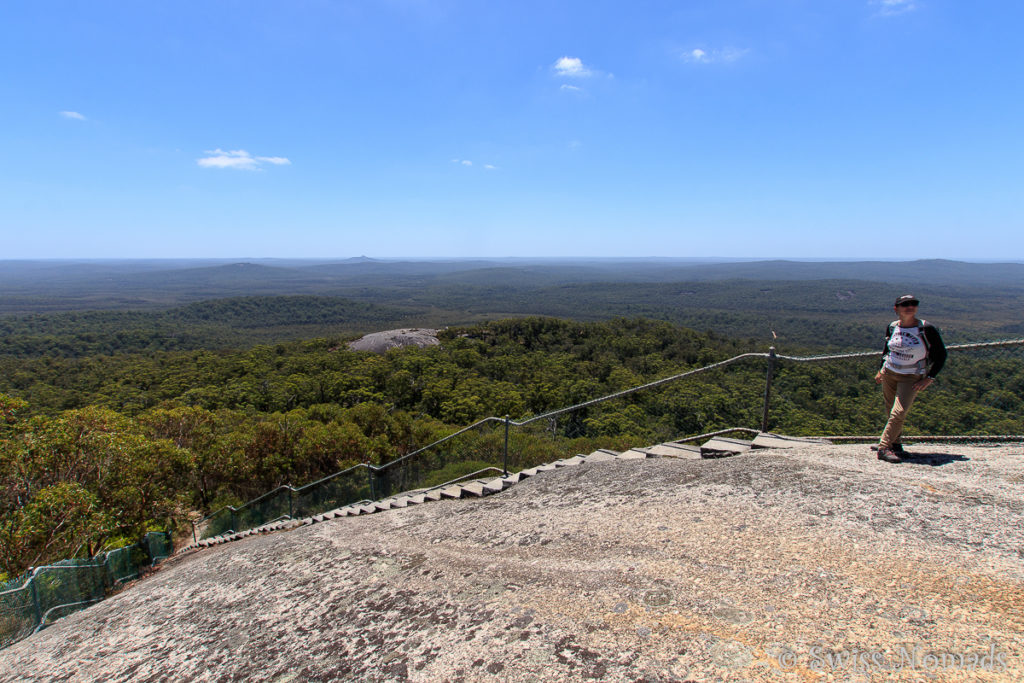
(380, 342)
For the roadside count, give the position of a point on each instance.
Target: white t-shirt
(907, 352)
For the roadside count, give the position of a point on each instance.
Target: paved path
(768, 566)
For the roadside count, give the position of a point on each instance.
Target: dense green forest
(95, 447)
(82, 308)
(138, 395)
(791, 315)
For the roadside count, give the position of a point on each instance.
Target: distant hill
(236, 322)
(765, 300)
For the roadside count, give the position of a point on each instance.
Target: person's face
(906, 310)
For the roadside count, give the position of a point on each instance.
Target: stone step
(675, 450)
(767, 440)
(721, 447)
(496, 485)
(635, 454)
(473, 488)
(601, 455)
(452, 492)
(574, 460)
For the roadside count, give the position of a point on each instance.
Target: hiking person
(912, 356)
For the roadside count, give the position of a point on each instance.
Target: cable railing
(786, 392)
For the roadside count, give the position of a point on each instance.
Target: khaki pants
(899, 395)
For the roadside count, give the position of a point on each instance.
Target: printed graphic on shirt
(907, 351)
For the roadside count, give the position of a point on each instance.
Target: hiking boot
(888, 455)
(897, 448)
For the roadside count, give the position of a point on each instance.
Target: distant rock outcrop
(380, 342)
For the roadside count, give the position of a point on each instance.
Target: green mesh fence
(337, 490)
(68, 586)
(159, 545)
(219, 522)
(270, 506)
(18, 615)
(40, 597)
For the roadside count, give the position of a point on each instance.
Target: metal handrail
(771, 356)
(633, 390)
(42, 622)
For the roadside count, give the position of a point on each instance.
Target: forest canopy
(95, 449)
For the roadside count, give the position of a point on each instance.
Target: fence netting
(329, 493)
(45, 594)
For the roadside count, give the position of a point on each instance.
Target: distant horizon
(337, 259)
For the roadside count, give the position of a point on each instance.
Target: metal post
(504, 464)
(194, 539)
(768, 388)
(369, 475)
(234, 520)
(291, 507)
(35, 599)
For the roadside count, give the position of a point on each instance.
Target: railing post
(369, 475)
(291, 506)
(504, 463)
(768, 388)
(35, 598)
(234, 519)
(194, 539)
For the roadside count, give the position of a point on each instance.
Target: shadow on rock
(933, 459)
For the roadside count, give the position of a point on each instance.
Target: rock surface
(755, 567)
(380, 342)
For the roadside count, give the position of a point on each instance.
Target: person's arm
(885, 351)
(936, 350)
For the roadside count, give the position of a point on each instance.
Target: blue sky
(802, 128)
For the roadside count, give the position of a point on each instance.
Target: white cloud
(888, 8)
(72, 115)
(467, 163)
(571, 66)
(239, 159)
(571, 88)
(724, 56)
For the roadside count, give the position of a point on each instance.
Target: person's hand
(878, 377)
(922, 383)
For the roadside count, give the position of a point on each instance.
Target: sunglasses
(908, 304)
